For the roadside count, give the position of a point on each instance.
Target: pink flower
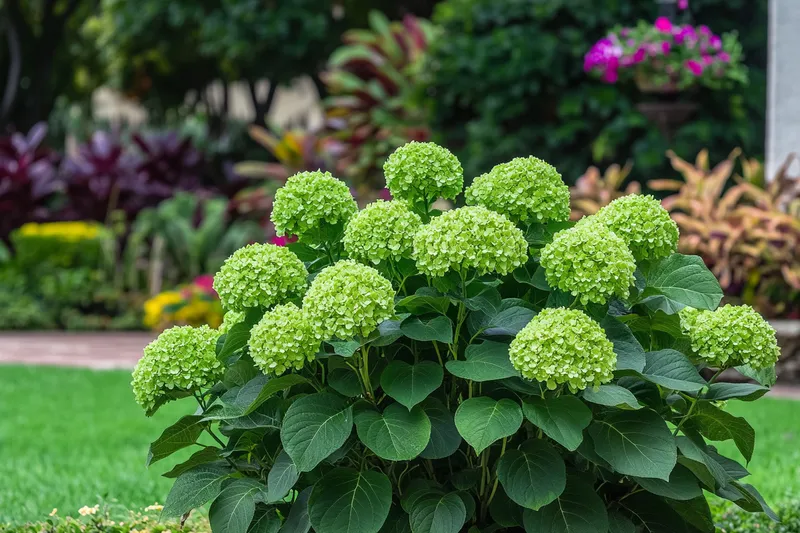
(666, 46)
(683, 4)
(639, 56)
(707, 60)
(703, 29)
(724, 57)
(695, 67)
(663, 25)
(715, 42)
(205, 283)
(385, 194)
(610, 76)
(283, 241)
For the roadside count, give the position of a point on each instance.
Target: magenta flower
(683, 4)
(283, 241)
(205, 283)
(639, 56)
(610, 76)
(715, 42)
(663, 25)
(724, 57)
(666, 46)
(695, 67)
(707, 60)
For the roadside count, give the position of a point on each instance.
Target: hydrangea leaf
(438, 513)
(397, 434)
(673, 370)
(349, 500)
(487, 361)
(682, 485)
(181, 434)
(314, 427)
(193, 489)
(482, 421)
(533, 475)
(679, 281)
(411, 384)
(445, 438)
(281, 478)
(635, 443)
(563, 418)
(577, 510)
(612, 396)
(718, 425)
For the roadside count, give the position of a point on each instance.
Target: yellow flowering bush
(188, 305)
(60, 244)
(508, 374)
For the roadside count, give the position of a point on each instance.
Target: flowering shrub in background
(514, 372)
(192, 304)
(664, 55)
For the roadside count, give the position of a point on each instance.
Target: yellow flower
(54, 511)
(154, 313)
(154, 507)
(86, 510)
(67, 231)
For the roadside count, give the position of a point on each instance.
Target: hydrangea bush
(494, 367)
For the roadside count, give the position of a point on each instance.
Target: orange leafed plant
(593, 191)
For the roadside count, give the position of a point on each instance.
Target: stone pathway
(107, 351)
(101, 351)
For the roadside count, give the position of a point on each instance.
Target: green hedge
(507, 79)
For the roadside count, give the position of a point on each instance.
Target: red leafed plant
(27, 178)
(374, 104)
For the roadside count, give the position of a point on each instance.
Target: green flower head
(469, 237)
(181, 359)
(589, 261)
(525, 189)
(564, 346)
(282, 340)
(259, 275)
(423, 171)
(308, 202)
(643, 224)
(732, 335)
(230, 319)
(383, 230)
(348, 299)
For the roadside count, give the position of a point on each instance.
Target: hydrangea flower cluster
(643, 224)
(348, 299)
(283, 339)
(182, 358)
(230, 319)
(381, 231)
(663, 54)
(310, 200)
(564, 346)
(730, 336)
(423, 171)
(589, 261)
(469, 237)
(259, 275)
(525, 189)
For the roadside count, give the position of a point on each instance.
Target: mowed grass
(70, 437)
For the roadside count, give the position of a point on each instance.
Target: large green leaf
(298, 521)
(740, 391)
(672, 369)
(445, 438)
(265, 520)
(655, 515)
(747, 497)
(765, 376)
(697, 458)
(410, 384)
(630, 354)
(682, 485)
(612, 396)
(487, 361)
(437, 513)
(281, 478)
(437, 329)
(577, 510)
(563, 419)
(715, 424)
(181, 434)
(194, 488)
(395, 435)
(207, 454)
(233, 510)
(314, 427)
(236, 338)
(635, 443)
(482, 421)
(678, 281)
(618, 523)
(509, 321)
(346, 500)
(696, 512)
(532, 476)
(425, 300)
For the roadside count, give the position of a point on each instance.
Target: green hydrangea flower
(259, 275)
(310, 200)
(643, 224)
(469, 237)
(525, 189)
(732, 335)
(348, 299)
(423, 171)
(383, 230)
(589, 261)
(282, 340)
(564, 346)
(181, 359)
(230, 319)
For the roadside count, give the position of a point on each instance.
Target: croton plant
(493, 367)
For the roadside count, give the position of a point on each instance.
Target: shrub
(60, 245)
(507, 75)
(462, 391)
(731, 519)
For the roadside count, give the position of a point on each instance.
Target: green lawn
(69, 437)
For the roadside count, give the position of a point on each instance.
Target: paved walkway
(105, 351)
(102, 351)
